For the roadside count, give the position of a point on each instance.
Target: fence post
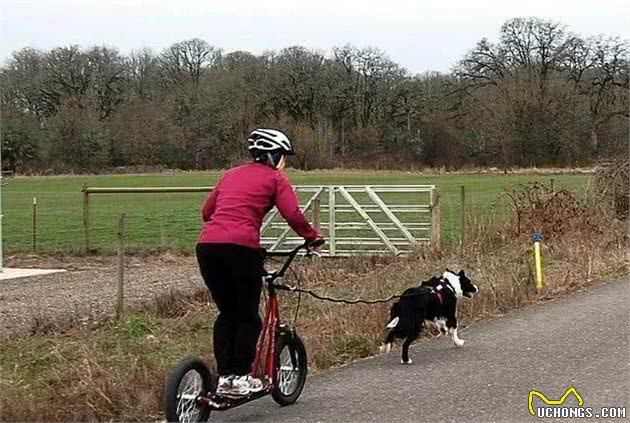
(316, 214)
(435, 219)
(463, 216)
(34, 224)
(331, 220)
(121, 267)
(1, 244)
(86, 217)
(552, 184)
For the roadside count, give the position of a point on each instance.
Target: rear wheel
(190, 379)
(291, 368)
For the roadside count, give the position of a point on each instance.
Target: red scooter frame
(270, 327)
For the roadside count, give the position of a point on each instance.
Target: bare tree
(143, 68)
(186, 61)
(22, 81)
(69, 74)
(299, 83)
(110, 75)
(524, 74)
(599, 69)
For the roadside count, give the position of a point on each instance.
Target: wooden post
(316, 214)
(86, 217)
(34, 224)
(435, 219)
(1, 245)
(121, 267)
(553, 185)
(331, 220)
(463, 216)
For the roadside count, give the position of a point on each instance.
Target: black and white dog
(435, 302)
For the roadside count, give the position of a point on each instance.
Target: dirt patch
(86, 293)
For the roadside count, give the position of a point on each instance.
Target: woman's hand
(315, 244)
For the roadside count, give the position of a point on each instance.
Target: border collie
(435, 302)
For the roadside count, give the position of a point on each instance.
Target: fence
(87, 191)
(355, 219)
(170, 220)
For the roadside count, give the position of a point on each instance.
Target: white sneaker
(240, 387)
(255, 385)
(245, 385)
(225, 384)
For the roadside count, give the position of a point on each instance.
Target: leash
(347, 301)
(320, 297)
(300, 291)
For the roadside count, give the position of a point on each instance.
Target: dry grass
(612, 188)
(116, 371)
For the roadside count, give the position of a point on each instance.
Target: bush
(612, 188)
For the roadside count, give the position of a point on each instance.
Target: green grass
(165, 221)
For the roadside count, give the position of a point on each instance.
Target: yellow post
(537, 238)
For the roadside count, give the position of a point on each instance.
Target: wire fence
(171, 221)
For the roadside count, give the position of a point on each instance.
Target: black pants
(233, 274)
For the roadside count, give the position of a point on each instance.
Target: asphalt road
(580, 340)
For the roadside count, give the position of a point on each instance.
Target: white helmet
(269, 141)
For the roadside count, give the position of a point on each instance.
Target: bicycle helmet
(268, 146)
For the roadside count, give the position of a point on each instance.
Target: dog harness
(438, 290)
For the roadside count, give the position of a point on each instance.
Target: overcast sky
(418, 34)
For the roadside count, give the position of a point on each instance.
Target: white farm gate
(362, 220)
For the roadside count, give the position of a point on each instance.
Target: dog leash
(320, 297)
(344, 300)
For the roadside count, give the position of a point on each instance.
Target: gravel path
(87, 291)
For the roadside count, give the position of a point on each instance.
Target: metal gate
(362, 220)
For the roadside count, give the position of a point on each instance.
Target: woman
(228, 252)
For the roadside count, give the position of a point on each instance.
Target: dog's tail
(394, 316)
(393, 323)
(403, 318)
(391, 327)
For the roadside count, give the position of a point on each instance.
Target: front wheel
(290, 369)
(190, 379)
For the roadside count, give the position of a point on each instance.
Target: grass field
(162, 221)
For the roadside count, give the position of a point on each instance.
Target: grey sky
(420, 35)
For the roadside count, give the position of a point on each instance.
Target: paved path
(580, 340)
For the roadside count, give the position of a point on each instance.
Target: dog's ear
(429, 282)
(449, 270)
(461, 273)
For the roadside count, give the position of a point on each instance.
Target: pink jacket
(235, 209)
